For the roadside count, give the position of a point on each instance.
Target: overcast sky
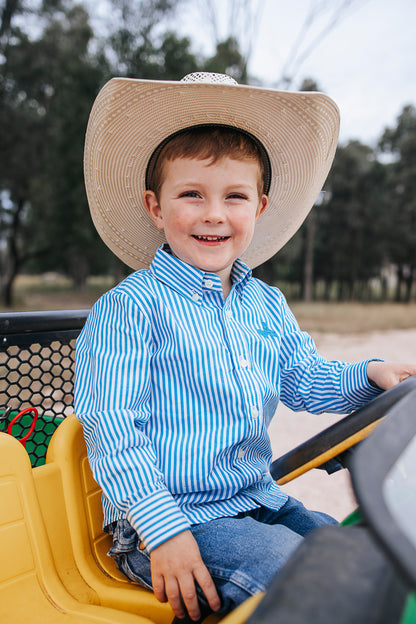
(367, 63)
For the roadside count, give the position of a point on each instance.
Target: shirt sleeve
(312, 383)
(112, 401)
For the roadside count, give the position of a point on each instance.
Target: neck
(225, 277)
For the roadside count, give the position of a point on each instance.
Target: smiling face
(208, 211)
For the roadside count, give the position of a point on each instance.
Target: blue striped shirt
(175, 388)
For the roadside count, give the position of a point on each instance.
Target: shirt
(175, 388)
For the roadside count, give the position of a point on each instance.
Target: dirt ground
(317, 489)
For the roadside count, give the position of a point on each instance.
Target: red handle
(32, 426)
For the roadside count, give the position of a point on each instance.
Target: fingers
(158, 585)
(181, 592)
(190, 598)
(177, 568)
(205, 582)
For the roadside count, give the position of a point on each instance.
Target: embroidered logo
(266, 332)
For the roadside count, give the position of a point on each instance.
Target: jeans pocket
(135, 570)
(125, 538)
(133, 562)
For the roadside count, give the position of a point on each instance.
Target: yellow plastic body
(31, 591)
(82, 560)
(243, 612)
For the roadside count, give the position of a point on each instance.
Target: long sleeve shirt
(175, 388)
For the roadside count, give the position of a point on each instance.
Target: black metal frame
(37, 364)
(22, 328)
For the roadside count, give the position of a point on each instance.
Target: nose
(214, 212)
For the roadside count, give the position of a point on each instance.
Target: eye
(193, 194)
(237, 196)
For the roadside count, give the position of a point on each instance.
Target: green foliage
(400, 220)
(228, 60)
(346, 247)
(48, 84)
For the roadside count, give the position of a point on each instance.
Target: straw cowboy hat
(131, 118)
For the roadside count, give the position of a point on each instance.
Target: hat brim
(130, 118)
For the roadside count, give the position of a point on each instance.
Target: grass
(55, 292)
(52, 291)
(346, 318)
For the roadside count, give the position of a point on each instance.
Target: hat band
(267, 169)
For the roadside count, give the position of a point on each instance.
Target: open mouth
(211, 239)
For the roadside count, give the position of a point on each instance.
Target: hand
(385, 375)
(176, 565)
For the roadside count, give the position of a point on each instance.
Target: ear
(263, 203)
(153, 208)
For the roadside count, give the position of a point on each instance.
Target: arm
(312, 383)
(112, 400)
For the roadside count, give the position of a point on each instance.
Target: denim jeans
(242, 553)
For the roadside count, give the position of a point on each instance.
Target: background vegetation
(359, 242)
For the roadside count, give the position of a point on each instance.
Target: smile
(211, 238)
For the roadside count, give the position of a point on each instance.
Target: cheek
(246, 225)
(179, 223)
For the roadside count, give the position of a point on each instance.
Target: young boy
(180, 368)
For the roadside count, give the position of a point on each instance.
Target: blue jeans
(242, 553)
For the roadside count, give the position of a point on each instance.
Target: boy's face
(208, 211)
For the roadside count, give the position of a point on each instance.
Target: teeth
(211, 238)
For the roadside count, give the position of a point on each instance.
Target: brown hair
(208, 142)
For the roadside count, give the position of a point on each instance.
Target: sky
(367, 62)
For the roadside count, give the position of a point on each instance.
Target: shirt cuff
(157, 518)
(356, 386)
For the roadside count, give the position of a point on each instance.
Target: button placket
(243, 361)
(254, 412)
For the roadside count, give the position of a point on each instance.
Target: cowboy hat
(130, 118)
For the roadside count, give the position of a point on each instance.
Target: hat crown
(209, 78)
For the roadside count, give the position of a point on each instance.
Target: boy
(180, 368)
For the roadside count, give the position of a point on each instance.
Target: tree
(228, 60)
(136, 41)
(49, 78)
(46, 92)
(400, 220)
(349, 249)
(235, 40)
(21, 117)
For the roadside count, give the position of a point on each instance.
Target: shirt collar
(190, 281)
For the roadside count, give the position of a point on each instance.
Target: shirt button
(195, 297)
(241, 454)
(243, 362)
(254, 412)
(208, 283)
(228, 314)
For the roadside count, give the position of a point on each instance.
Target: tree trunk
(308, 264)
(399, 275)
(13, 260)
(409, 284)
